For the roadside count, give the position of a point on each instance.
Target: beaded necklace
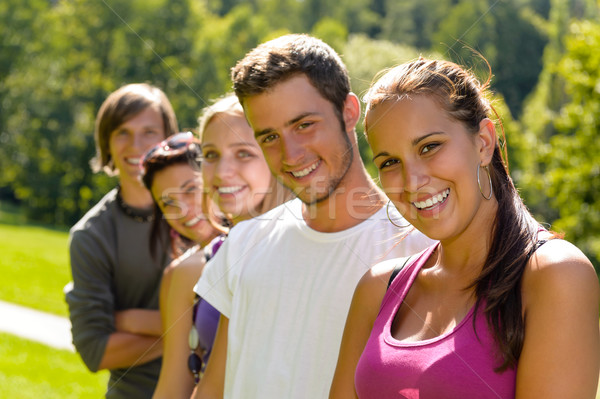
(139, 215)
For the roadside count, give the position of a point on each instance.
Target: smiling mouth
(431, 202)
(192, 222)
(229, 190)
(132, 161)
(306, 171)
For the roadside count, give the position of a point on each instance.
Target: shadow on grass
(13, 215)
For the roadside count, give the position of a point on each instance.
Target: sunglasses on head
(171, 145)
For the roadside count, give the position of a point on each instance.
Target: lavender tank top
(206, 317)
(458, 364)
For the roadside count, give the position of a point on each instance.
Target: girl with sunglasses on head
(238, 186)
(500, 307)
(171, 171)
(113, 299)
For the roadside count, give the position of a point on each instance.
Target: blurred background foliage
(59, 59)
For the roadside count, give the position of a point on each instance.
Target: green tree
(42, 124)
(356, 15)
(542, 107)
(332, 32)
(80, 52)
(220, 44)
(16, 35)
(413, 22)
(496, 30)
(573, 162)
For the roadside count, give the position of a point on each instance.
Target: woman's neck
(466, 254)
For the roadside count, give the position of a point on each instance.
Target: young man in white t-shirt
(283, 281)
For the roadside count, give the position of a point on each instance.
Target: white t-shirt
(286, 290)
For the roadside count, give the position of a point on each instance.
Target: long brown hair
(514, 232)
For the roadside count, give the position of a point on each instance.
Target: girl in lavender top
(234, 185)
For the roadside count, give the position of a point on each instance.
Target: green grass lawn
(35, 268)
(32, 370)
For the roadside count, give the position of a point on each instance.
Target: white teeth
(433, 200)
(305, 171)
(192, 221)
(132, 161)
(229, 190)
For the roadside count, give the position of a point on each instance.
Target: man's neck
(135, 194)
(356, 199)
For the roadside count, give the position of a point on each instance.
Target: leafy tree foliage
(80, 52)
(573, 163)
(16, 36)
(59, 60)
(413, 22)
(496, 30)
(544, 130)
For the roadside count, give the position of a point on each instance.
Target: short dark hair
(122, 105)
(287, 56)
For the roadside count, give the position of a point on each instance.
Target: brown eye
(269, 137)
(387, 163)
(304, 125)
(429, 147)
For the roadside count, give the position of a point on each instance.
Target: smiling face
(428, 163)
(177, 189)
(129, 142)
(302, 138)
(235, 173)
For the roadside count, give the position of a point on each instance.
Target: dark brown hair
(154, 162)
(287, 56)
(122, 105)
(514, 233)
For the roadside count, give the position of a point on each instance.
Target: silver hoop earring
(387, 211)
(490, 180)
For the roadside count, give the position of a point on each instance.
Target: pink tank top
(458, 364)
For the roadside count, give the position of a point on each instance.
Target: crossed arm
(125, 349)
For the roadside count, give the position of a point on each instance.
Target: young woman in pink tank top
(488, 312)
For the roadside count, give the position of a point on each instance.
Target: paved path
(49, 329)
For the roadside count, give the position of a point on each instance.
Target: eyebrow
(288, 123)
(243, 144)
(414, 143)
(238, 144)
(381, 154)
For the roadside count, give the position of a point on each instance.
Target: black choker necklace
(138, 215)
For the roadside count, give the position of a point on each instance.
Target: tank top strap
(400, 285)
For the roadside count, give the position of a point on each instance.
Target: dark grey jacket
(112, 270)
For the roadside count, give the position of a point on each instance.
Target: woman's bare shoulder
(375, 280)
(559, 268)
